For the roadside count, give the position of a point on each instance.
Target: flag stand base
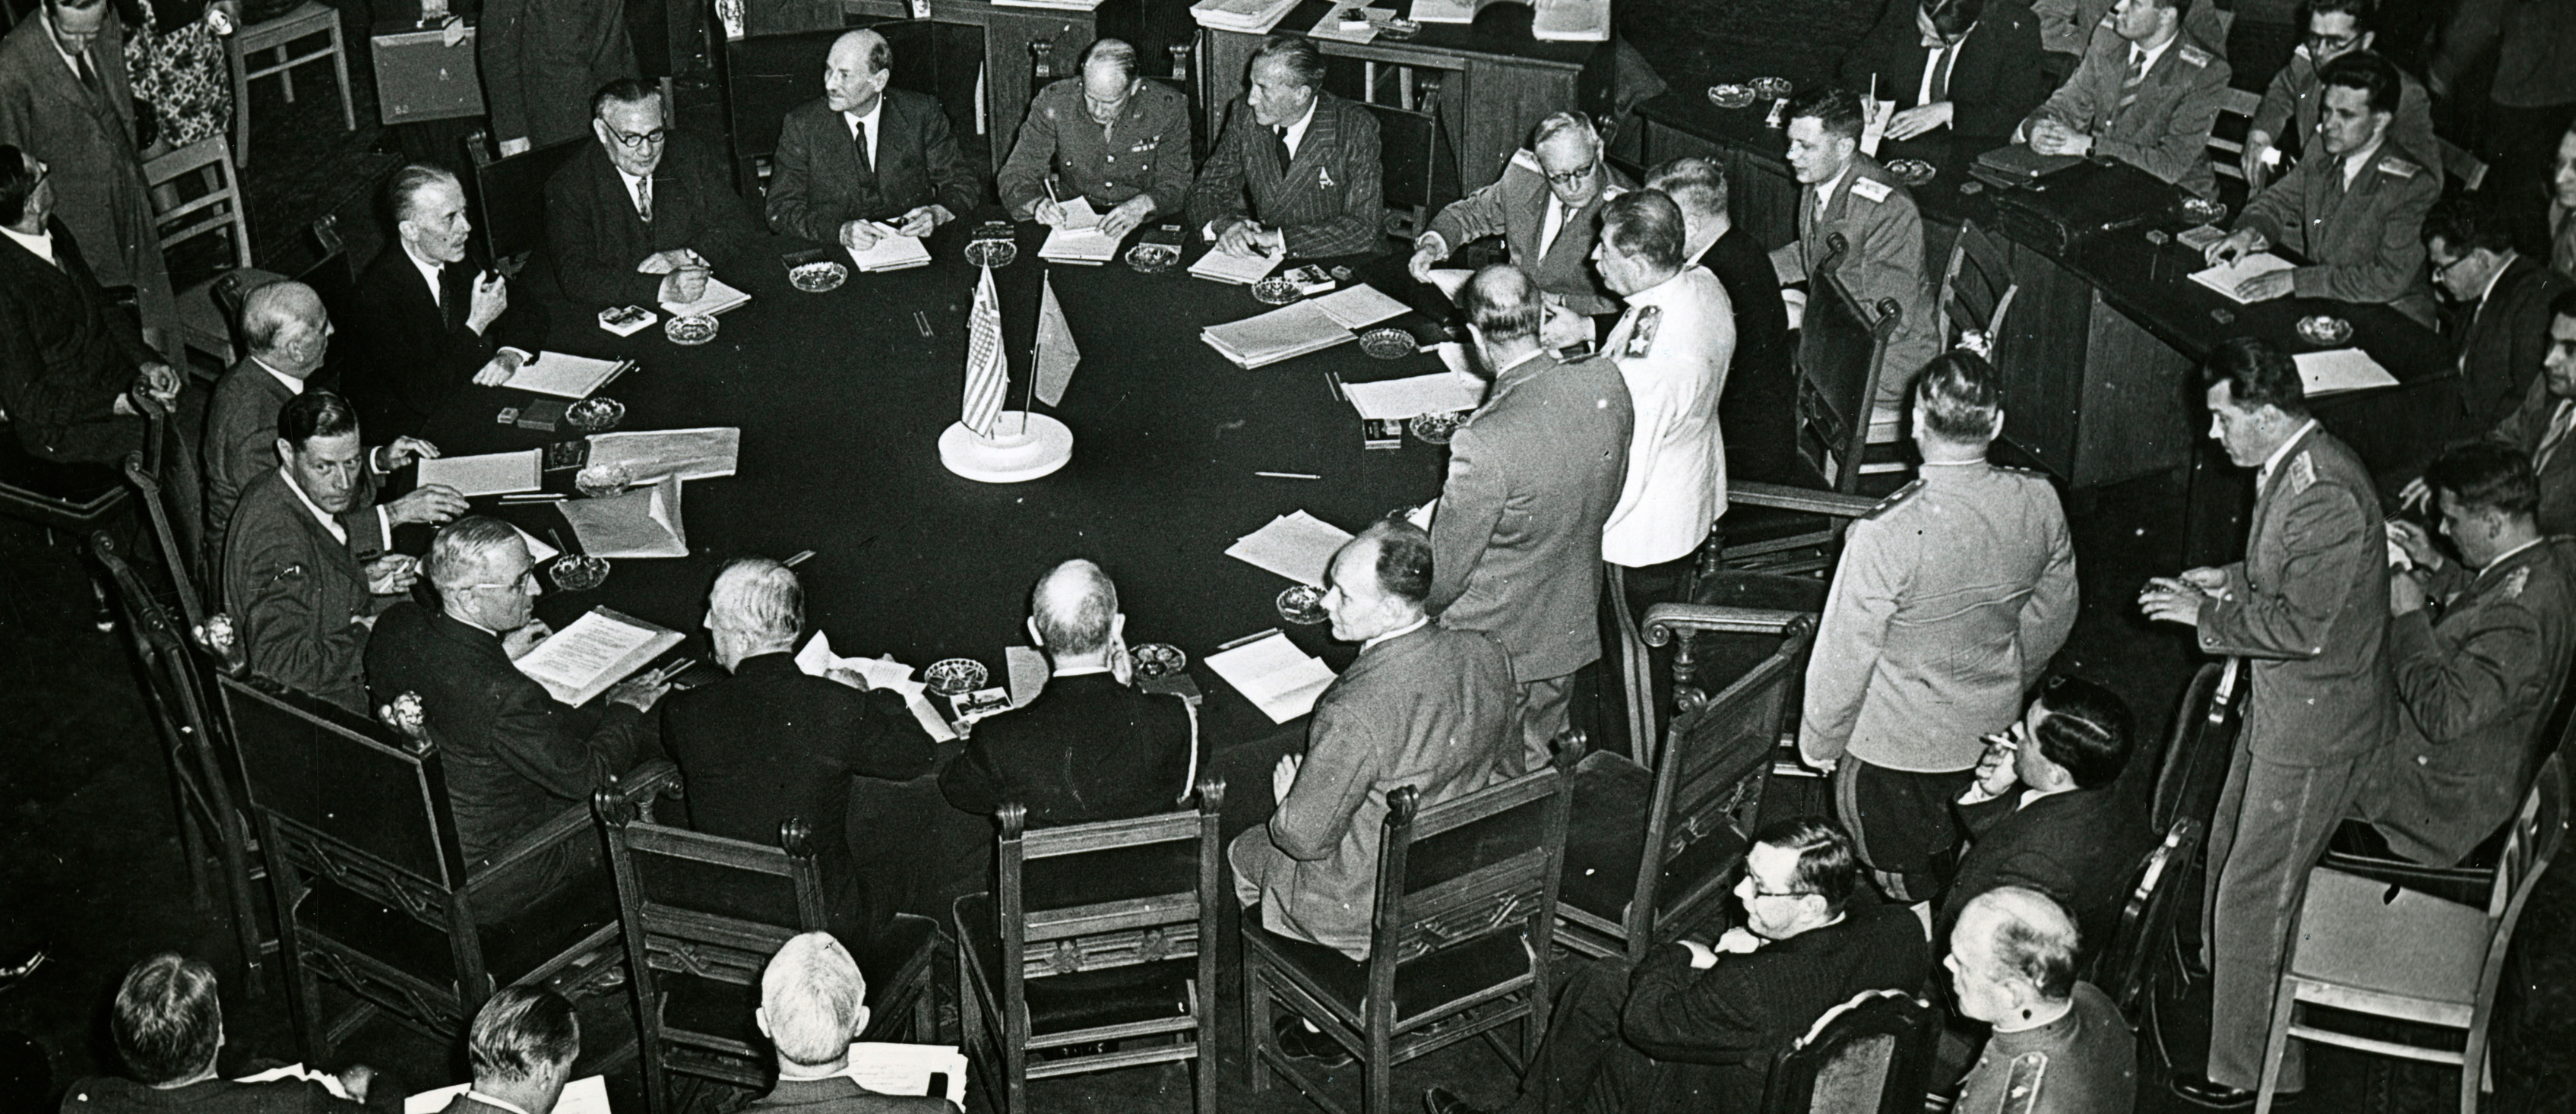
(1010, 455)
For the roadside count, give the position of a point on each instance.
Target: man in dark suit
(71, 365)
(64, 99)
(430, 322)
(520, 1051)
(2309, 603)
(2504, 297)
(770, 743)
(1961, 73)
(1297, 170)
(1533, 475)
(287, 332)
(1422, 705)
(2538, 426)
(2043, 813)
(862, 156)
(641, 217)
(1754, 410)
(812, 1005)
(540, 61)
(516, 756)
(292, 576)
(1089, 747)
(1695, 1027)
(168, 1025)
(1547, 209)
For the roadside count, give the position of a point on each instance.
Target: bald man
(863, 154)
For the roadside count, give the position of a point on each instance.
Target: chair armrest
(638, 786)
(1665, 618)
(1807, 499)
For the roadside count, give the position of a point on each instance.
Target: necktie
(644, 198)
(2558, 427)
(859, 135)
(2137, 76)
(88, 75)
(1279, 146)
(1941, 62)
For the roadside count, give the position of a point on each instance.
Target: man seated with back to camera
(520, 1051)
(2044, 812)
(168, 1027)
(813, 1004)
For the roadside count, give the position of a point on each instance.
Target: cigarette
(1290, 475)
(801, 557)
(1248, 639)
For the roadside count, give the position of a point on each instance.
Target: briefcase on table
(2056, 209)
(421, 76)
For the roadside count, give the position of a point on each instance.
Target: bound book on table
(893, 251)
(1232, 269)
(565, 376)
(1282, 334)
(643, 522)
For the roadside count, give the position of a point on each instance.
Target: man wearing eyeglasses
(515, 755)
(1547, 209)
(1113, 139)
(2500, 323)
(2296, 96)
(642, 216)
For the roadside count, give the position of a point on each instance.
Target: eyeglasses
(1752, 888)
(2327, 46)
(637, 140)
(2441, 269)
(1573, 178)
(526, 583)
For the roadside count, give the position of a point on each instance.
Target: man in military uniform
(1109, 136)
(1672, 348)
(1547, 209)
(2295, 99)
(1948, 603)
(2477, 683)
(2309, 605)
(2143, 95)
(2354, 209)
(1842, 190)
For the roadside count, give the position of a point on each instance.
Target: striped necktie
(2137, 76)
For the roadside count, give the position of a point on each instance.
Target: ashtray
(951, 676)
(1302, 604)
(1731, 96)
(1772, 88)
(1155, 659)
(578, 572)
(1398, 29)
(599, 481)
(992, 253)
(595, 415)
(1435, 429)
(819, 276)
(693, 329)
(2202, 210)
(2321, 329)
(1153, 259)
(1277, 290)
(1912, 172)
(1388, 343)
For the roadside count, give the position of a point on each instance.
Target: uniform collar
(2272, 463)
(1398, 632)
(1660, 293)
(505, 1104)
(2510, 554)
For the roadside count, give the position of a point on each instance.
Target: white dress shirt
(872, 119)
(1296, 136)
(429, 273)
(41, 243)
(328, 522)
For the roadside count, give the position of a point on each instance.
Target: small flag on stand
(988, 374)
(1057, 353)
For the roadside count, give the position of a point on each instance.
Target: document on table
(817, 660)
(1368, 20)
(1359, 307)
(2343, 369)
(1451, 280)
(2225, 278)
(538, 551)
(1441, 392)
(692, 454)
(935, 1070)
(554, 373)
(644, 522)
(598, 650)
(328, 1081)
(1285, 333)
(587, 1095)
(893, 251)
(1280, 679)
(1445, 11)
(1237, 270)
(488, 474)
(717, 298)
(1297, 546)
(1079, 239)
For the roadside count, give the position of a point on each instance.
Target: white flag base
(1010, 455)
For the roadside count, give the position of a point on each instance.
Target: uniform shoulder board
(2398, 168)
(2192, 56)
(1641, 336)
(2022, 1083)
(1894, 501)
(1870, 189)
(2516, 581)
(2303, 472)
(2026, 473)
(1528, 161)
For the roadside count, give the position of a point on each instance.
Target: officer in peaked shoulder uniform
(2143, 95)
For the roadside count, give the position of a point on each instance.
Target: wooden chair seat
(57, 496)
(512, 947)
(1133, 995)
(2411, 955)
(1428, 988)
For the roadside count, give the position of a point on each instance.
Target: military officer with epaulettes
(1842, 190)
(1948, 603)
(2355, 209)
(1108, 136)
(2144, 94)
(1672, 347)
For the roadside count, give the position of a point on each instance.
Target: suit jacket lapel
(1320, 130)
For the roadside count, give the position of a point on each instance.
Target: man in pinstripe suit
(1297, 168)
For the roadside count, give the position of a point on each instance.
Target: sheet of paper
(588, 1095)
(1330, 27)
(2343, 369)
(1444, 11)
(564, 376)
(1285, 333)
(1441, 392)
(817, 660)
(2226, 277)
(538, 550)
(1239, 270)
(1297, 546)
(1085, 244)
(717, 298)
(598, 650)
(329, 1082)
(1028, 670)
(1280, 679)
(644, 522)
(1361, 306)
(1451, 280)
(1453, 356)
(910, 1069)
(691, 454)
(1078, 213)
(893, 251)
(488, 474)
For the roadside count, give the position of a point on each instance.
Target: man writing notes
(1842, 190)
(2353, 208)
(2143, 95)
(1671, 347)
(1547, 209)
(1961, 74)
(2295, 100)
(1297, 168)
(862, 156)
(1533, 474)
(2309, 606)
(1948, 602)
(1109, 137)
(639, 217)
(428, 321)
(2502, 297)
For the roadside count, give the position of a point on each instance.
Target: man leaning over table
(863, 157)
(1109, 137)
(1547, 209)
(1296, 171)
(639, 216)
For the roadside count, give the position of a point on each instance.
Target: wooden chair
(1656, 837)
(506, 197)
(2364, 946)
(1096, 950)
(2227, 138)
(702, 915)
(280, 35)
(372, 890)
(2146, 921)
(1466, 896)
(2461, 166)
(1870, 1055)
(208, 202)
(183, 558)
(1419, 168)
(1976, 294)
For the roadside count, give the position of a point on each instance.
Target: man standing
(1547, 209)
(812, 1006)
(1113, 138)
(2309, 606)
(2142, 95)
(1296, 171)
(542, 59)
(64, 100)
(640, 217)
(2506, 294)
(1671, 348)
(428, 321)
(1843, 191)
(862, 156)
(2355, 207)
(71, 366)
(1947, 604)
(2043, 812)
(1533, 474)
(520, 1052)
(2295, 100)
(1758, 385)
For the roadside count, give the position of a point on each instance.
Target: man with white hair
(2059, 1046)
(429, 321)
(770, 743)
(812, 1005)
(1547, 209)
(515, 755)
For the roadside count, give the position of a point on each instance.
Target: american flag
(988, 374)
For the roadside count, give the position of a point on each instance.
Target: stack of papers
(691, 454)
(2225, 278)
(1252, 17)
(644, 522)
(1359, 307)
(1280, 679)
(1297, 546)
(488, 474)
(717, 298)
(554, 373)
(1364, 27)
(1235, 270)
(1281, 334)
(1079, 239)
(818, 660)
(598, 650)
(329, 1082)
(1441, 392)
(893, 251)
(1571, 21)
(2343, 369)
(935, 1070)
(581, 1096)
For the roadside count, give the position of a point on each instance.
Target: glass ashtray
(691, 330)
(1156, 659)
(954, 676)
(818, 277)
(2324, 330)
(1436, 429)
(992, 253)
(1388, 343)
(599, 481)
(1912, 172)
(1302, 604)
(2202, 210)
(578, 572)
(1276, 291)
(1153, 259)
(595, 415)
(1731, 96)
(1772, 88)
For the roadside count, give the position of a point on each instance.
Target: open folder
(893, 251)
(644, 522)
(488, 474)
(598, 650)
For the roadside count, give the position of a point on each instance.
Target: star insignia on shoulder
(1641, 336)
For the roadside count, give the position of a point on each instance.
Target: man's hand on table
(2266, 286)
(2052, 137)
(433, 504)
(922, 219)
(2234, 246)
(665, 262)
(1048, 211)
(1429, 250)
(1127, 216)
(638, 693)
(1920, 119)
(517, 643)
(392, 574)
(860, 235)
(499, 368)
(847, 676)
(688, 284)
(1248, 238)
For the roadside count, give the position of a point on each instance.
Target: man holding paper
(813, 1006)
(428, 321)
(1114, 139)
(636, 218)
(1547, 209)
(1296, 172)
(862, 153)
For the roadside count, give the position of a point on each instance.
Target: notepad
(1359, 307)
(705, 453)
(587, 1095)
(818, 660)
(643, 522)
(1079, 240)
(935, 1070)
(716, 299)
(598, 650)
(2226, 277)
(2343, 369)
(1280, 679)
(1285, 333)
(1298, 546)
(893, 251)
(488, 474)
(1441, 392)
(1235, 270)
(565, 376)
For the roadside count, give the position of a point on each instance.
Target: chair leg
(2285, 1003)
(340, 70)
(241, 110)
(192, 836)
(1256, 1029)
(2476, 1071)
(1377, 1094)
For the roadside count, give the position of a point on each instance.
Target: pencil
(1248, 639)
(1289, 475)
(801, 557)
